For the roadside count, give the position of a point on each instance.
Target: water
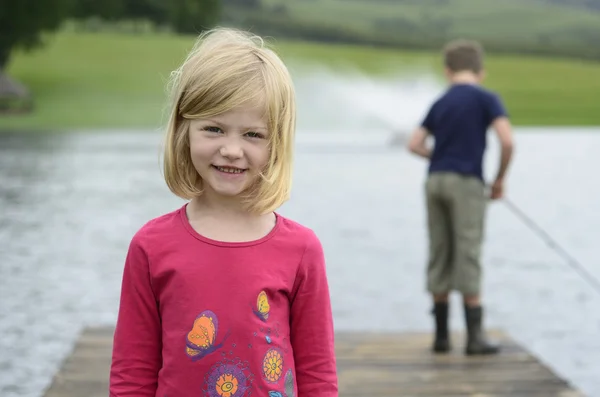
(71, 202)
(342, 101)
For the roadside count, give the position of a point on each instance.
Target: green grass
(104, 80)
(528, 25)
(107, 80)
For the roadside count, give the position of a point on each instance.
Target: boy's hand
(497, 190)
(418, 143)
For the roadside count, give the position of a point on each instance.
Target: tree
(252, 4)
(193, 16)
(151, 10)
(105, 9)
(22, 23)
(184, 16)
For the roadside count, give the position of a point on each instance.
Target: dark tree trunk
(4, 57)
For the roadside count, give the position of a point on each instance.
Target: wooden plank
(369, 364)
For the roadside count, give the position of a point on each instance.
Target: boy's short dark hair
(460, 55)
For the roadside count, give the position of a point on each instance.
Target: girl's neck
(218, 207)
(226, 222)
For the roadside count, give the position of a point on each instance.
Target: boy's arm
(418, 142)
(137, 348)
(500, 122)
(311, 326)
(503, 129)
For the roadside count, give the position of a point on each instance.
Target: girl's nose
(231, 150)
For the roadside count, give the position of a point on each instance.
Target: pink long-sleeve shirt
(200, 317)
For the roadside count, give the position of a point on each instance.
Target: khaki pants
(455, 216)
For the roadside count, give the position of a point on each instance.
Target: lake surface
(69, 204)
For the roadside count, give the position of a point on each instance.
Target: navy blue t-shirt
(459, 121)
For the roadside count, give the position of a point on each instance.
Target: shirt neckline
(186, 224)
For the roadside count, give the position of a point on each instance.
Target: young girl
(224, 297)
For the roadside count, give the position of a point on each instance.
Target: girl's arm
(137, 346)
(311, 326)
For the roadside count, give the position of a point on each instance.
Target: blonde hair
(228, 68)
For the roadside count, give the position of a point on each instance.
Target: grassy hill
(109, 80)
(556, 27)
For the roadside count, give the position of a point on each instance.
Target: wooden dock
(370, 365)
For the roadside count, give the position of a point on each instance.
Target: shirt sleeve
(311, 326)
(428, 121)
(136, 357)
(495, 108)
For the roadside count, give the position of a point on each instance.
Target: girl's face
(230, 150)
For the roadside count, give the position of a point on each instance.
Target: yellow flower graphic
(227, 385)
(273, 365)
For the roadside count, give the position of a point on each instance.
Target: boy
(455, 188)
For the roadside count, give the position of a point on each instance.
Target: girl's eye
(212, 129)
(254, 135)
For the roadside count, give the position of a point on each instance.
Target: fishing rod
(574, 263)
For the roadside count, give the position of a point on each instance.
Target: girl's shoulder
(298, 231)
(292, 226)
(159, 227)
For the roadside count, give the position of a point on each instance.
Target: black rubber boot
(477, 344)
(441, 344)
